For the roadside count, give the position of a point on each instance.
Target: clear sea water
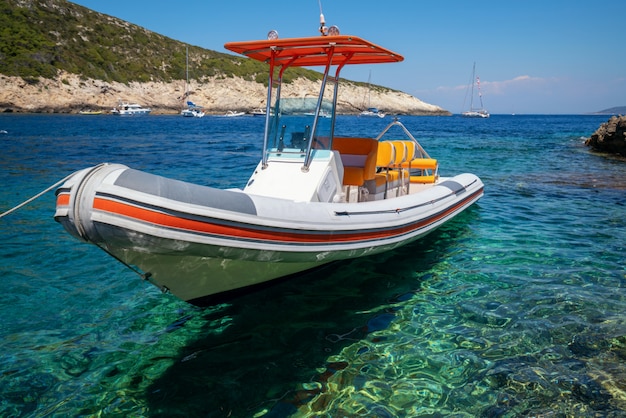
(515, 308)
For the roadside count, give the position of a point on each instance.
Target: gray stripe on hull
(457, 188)
(186, 192)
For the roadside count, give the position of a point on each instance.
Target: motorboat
(372, 112)
(314, 198)
(192, 111)
(233, 114)
(130, 109)
(258, 112)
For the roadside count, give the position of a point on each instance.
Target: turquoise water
(515, 308)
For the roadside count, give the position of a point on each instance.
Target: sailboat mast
(369, 93)
(186, 92)
(472, 95)
(480, 94)
(475, 112)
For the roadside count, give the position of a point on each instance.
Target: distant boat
(130, 109)
(233, 114)
(192, 110)
(480, 112)
(371, 111)
(90, 112)
(473, 112)
(323, 114)
(258, 112)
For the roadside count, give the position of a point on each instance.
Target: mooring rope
(37, 196)
(144, 276)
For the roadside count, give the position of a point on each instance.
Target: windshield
(292, 121)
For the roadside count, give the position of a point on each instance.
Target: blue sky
(547, 57)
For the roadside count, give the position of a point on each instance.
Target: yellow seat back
(386, 154)
(401, 152)
(410, 150)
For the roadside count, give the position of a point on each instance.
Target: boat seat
(427, 167)
(402, 156)
(390, 156)
(411, 149)
(386, 155)
(401, 153)
(422, 164)
(422, 179)
(358, 156)
(385, 158)
(415, 161)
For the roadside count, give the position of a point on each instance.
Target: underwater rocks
(610, 137)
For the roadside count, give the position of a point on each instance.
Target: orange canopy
(313, 51)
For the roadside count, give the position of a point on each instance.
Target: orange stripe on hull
(171, 221)
(63, 199)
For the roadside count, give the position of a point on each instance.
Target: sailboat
(371, 111)
(473, 112)
(192, 110)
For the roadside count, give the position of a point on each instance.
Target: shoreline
(69, 93)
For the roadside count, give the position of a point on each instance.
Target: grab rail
(396, 122)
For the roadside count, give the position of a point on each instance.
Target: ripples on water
(515, 308)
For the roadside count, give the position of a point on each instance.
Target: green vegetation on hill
(40, 37)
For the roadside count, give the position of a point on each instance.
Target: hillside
(619, 110)
(102, 47)
(56, 56)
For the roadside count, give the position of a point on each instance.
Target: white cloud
(499, 87)
(514, 84)
(529, 94)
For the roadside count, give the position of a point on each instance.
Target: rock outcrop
(69, 93)
(610, 137)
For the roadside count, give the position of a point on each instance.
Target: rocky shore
(610, 137)
(69, 93)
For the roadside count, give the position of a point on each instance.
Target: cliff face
(69, 93)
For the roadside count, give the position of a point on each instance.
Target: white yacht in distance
(129, 109)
